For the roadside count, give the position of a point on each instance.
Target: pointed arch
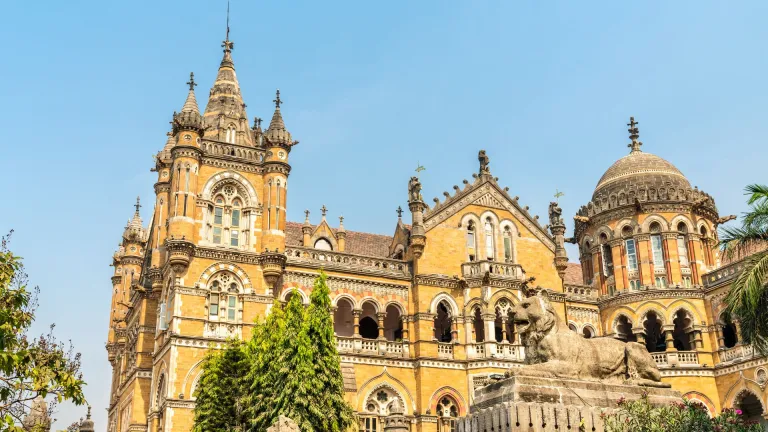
(646, 226)
(230, 177)
(385, 379)
(209, 272)
(453, 393)
(444, 296)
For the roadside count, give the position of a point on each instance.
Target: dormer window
(323, 244)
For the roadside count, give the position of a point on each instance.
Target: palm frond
(748, 300)
(737, 243)
(757, 193)
(757, 216)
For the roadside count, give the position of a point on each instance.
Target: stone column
(404, 321)
(640, 335)
(396, 421)
(504, 329)
(643, 246)
(356, 322)
(720, 337)
(619, 276)
(380, 316)
(669, 339)
(699, 343)
(490, 333)
(669, 241)
(454, 331)
(739, 340)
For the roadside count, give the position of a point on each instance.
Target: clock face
(281, 155)
(187, 137)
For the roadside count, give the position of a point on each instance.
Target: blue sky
(370, 89)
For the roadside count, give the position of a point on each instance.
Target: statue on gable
(555, 214)
(414, 189)
(484, 162)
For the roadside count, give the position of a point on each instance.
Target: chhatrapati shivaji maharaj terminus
(422, 316)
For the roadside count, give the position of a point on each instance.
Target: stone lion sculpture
(552, 350)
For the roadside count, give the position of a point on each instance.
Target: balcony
(675, 358)
(222, 330)
(502, 270)
(495, 350)
(445, 350)
(371, 346)
(723, 274)
(737, 353)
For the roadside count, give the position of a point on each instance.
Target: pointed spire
(341, 224)
(306, 218)
(323, 211)
(634, 134)
(190, 105)
(277, 133)
(134, 230)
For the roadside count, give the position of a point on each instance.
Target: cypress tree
(297, 372)
(220, 390)
(328, 385)
(264, 378)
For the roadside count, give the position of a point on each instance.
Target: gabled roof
(573, 275)
(486, 192)
(358, 243)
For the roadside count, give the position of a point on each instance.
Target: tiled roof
(359, 243)
(749, 250)
(573, 274)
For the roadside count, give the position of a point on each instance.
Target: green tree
(748, 297)
(329, 389)
(264, 378)
(29, 368)
(221, 390)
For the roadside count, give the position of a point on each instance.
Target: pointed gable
(485, 192)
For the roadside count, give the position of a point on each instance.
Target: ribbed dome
(640, 168)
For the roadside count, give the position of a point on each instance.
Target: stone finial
(277, 100)
(284, 424)
(341, 223)
(484, 162)
(191, 83)
(399, 212)
(634, 134)
(323, 211)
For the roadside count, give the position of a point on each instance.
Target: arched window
(447, 412)
(323, 244)
(369, 325)
(489, 246)
(161, 389)
(588, 332)
(223, 303)
(393, 324)
(471, 244)
(728, 329)
(606, 256)
(706, 248)
(443, 322)
(657, 250)
(231, 134)
(229, 218)
(750, 406)
(572, 327)
(218, 219)
(507, 236)
(477, 325)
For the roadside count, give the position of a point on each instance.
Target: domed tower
(646, 229)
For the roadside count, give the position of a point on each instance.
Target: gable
(486, 193)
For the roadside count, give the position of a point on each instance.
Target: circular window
(187, 137)
(281, 155)
(761, 376)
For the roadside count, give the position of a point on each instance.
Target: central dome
(640, 169)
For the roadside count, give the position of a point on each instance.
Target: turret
(557, 227)
(417, 207)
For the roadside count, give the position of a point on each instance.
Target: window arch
(657, 251)
(343, 321)
(588, 332)
(443, 322)
(478, 325)
(231, 134)
(323, 244)
(507, 239)
(448, 413)
(471, 241)
(728, 330)
(490, 250)
(682, 253)
(161, 391)
(223, 298)
(227, 222)
(623, 328)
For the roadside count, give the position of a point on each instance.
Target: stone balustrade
(581, 291)
(495, 350)
(723, 274)
(317, 258)
(222, 330)
(371, 346)
(739, 352)
(504, 270)
(213, 148)
(445, 350)
(675, 358)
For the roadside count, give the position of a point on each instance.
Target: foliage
(329, 390)
(29, 368)
(686, 416)
(221, 390)
(264, 377)
(748, 296)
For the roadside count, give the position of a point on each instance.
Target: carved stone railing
(685, 271)
(723, 274)
(213, 148)
(739, 352)
(504, 270)
(316, 258)
(675, 358)
(372, 346)
(344, 344)
(445, 350)
(495, 350)
(581, 291)
(394, 348)
(369, 345)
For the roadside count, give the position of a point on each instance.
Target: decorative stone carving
(414, 189)
(554, 352)
(284, 424)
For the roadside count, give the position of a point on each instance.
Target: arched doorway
(477, 325)
(682, 332)
(624, 329)
(343, 321)
(393, 324)
(728, 330)
(750, 406)
(369, 325)
(654, 336)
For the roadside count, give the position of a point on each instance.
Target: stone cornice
(352, 284)
(227, 163)
(436, 280)
(653, 294)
